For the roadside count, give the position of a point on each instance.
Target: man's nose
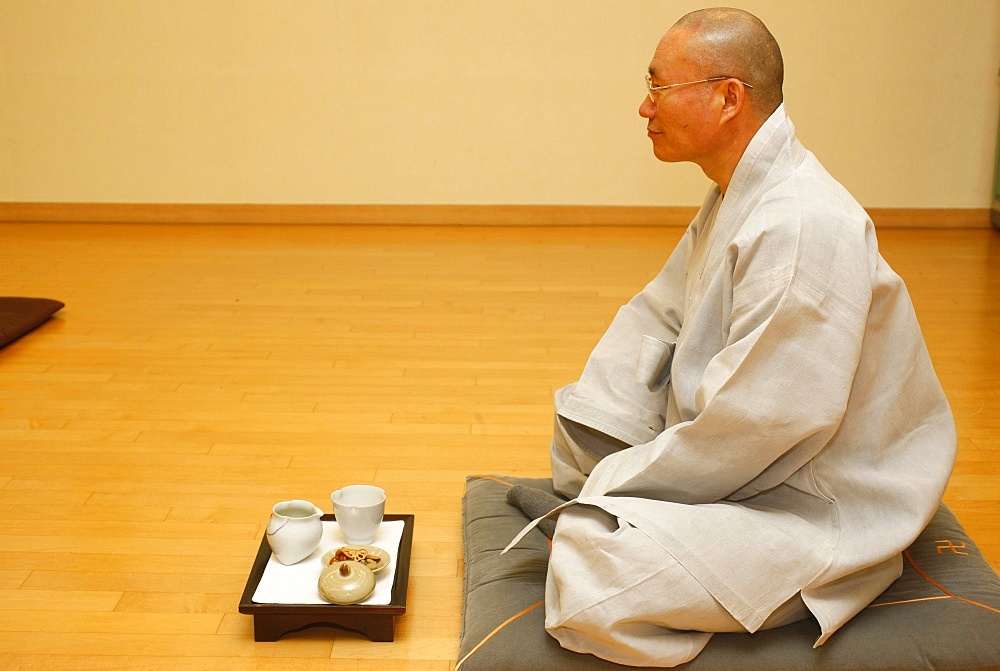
(647, 110)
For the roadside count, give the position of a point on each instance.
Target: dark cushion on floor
(942, 613)
(20, 315)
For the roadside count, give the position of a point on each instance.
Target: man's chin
(665, 156)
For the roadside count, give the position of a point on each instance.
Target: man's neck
(721, 165)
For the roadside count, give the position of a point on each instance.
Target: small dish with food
(374, 558)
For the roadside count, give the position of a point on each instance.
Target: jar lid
(346, 582)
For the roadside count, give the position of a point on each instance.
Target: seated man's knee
(586, 562)
(603, 571)
(600, 600)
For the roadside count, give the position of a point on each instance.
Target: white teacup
(359, 510)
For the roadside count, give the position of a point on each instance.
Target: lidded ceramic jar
(346, 582)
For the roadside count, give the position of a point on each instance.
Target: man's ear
(734, 99)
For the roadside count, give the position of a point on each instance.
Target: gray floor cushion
(943, 613)
(19, 315)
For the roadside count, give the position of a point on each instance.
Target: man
(760, 432)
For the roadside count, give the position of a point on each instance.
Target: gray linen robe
(789, 432)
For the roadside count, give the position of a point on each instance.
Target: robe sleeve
(776, 392)
(621, 389)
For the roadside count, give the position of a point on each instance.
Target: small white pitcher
(294, 530)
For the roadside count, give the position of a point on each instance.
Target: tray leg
(378, 628)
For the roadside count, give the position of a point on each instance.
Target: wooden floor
(200, 374)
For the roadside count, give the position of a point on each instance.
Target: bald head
(735, 43)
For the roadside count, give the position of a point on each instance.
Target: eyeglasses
(653, 90)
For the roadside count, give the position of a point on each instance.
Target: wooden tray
(271, 621)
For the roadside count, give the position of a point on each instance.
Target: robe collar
(772, 154)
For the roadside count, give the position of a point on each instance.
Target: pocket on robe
(652, 367)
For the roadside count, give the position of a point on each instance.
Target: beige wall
(464, 102)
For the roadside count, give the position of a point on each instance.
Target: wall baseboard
(445, 215)
(905, 217)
